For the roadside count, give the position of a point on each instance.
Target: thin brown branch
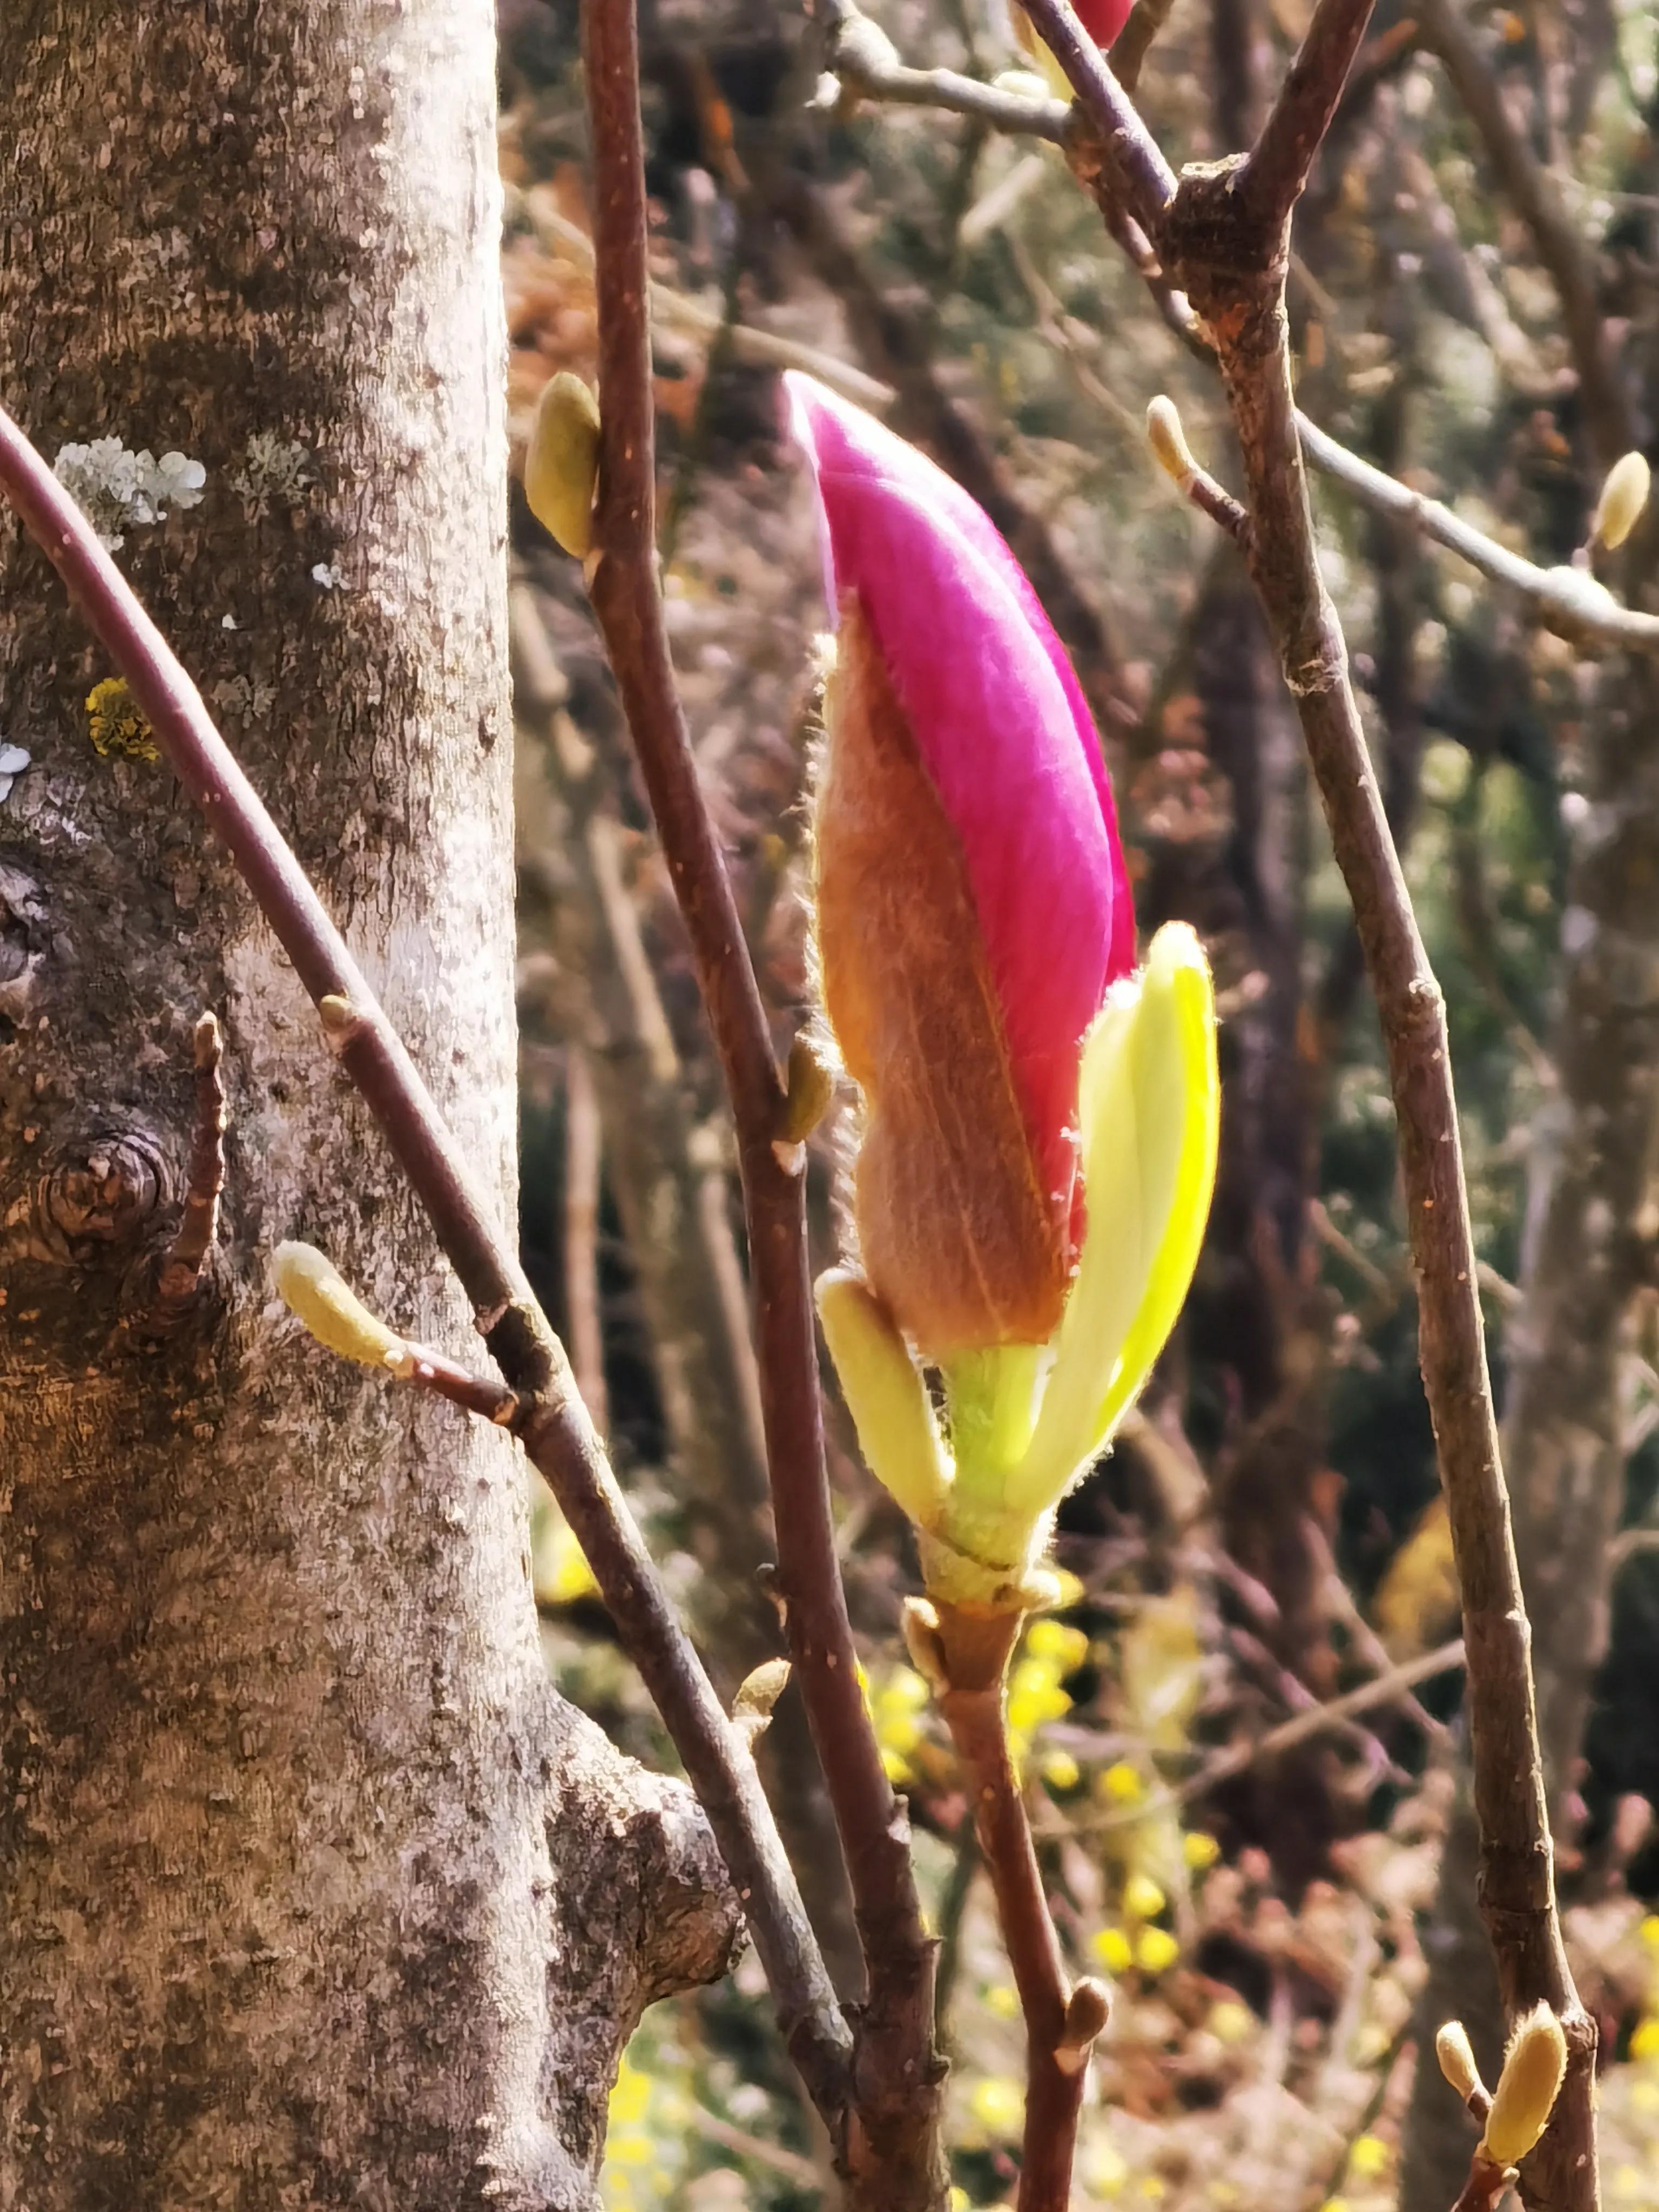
(204, 1182)
(892, 2143)
(1230, 254)
(1278, 166)
(1134, 41)
(1392, 1687)
(1560, 243)
(1570, 604)
(975, 1651)
(1148, 182)
(462, 1386)
(556, 1432)
(860, 57)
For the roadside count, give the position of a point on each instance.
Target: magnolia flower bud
(1624, 496)
(977, 949)
(561, 463)
(1534, 2066)
(972, 903)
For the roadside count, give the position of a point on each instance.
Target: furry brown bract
(955, 1235)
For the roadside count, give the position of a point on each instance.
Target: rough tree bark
(314, 1891)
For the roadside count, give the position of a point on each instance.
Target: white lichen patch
(243, 699)
(13, 761)
(328, 574)
(274, 471)
(120, 490)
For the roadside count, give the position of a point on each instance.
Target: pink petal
(1103, 20)
(1001, 724)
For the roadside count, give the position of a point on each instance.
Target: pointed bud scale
(1534, 2067)
(973, 907)
(562, 462)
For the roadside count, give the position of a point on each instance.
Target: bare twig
(866, 66)
(1134, 41)
(177, 1284)
(1060, 2023)
(1148, 182)
(1571, 604)
(553, 1425)
(765, 348)
(1228, 251)
(892, 2144)
(1277, 167)
(1392, 1687)
(1560, 245)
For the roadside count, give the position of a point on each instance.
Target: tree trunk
(1593, 1158)
(315, 1893)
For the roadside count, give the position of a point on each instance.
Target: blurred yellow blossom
(1121, 1783)
(1231, 2021)
(1057, 1645)
(1156, 1950)
(1002, 2001)
(1103, 2171)
(999, 2104)
(896, 1700)
(1060, 1771)
(1199, 1850)
(1369, 2158)
(1142, 1897)
(563, 1575)
(1644, 2042)
(1114, 1950)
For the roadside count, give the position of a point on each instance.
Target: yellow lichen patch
(114, 723)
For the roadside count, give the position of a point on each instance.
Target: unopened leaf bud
(758, 1693)
(1456, 2056)
(1168, 441)
(1534, 2066)
(315, 1292)
(810, 1086)
(1624, 496)
(561, 464)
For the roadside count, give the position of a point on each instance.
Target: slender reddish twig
(895, 2074)
(1226, 246)
(204, 1182)
(553, 1425)
(1277, 166)
(1149, 182)
(1061, 2022)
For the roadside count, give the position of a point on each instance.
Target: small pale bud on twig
(1168, 441)
(920, 1624)
(1456, 2056)
(1087, 2010)
(757, 1694)
(810, 1086)
(561, 464)
(1624, 496)
(315, 1292)
(1534, 2066)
